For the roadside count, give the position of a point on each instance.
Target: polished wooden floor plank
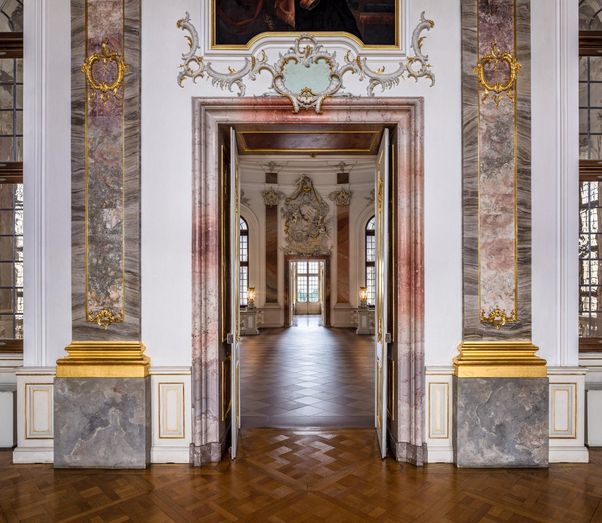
(302, 476)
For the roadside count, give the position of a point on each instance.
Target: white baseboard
(440, 454)
(166, 454)
(569, 455)
(33, 455)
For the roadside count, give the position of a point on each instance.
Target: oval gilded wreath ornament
(495, 58)
(105, 55)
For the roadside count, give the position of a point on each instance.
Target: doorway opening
(313, 367)
(229, 131)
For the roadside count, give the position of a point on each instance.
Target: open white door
(382, 337)
(234, 337)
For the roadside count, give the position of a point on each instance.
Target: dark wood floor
(294, 476)
(307, 376)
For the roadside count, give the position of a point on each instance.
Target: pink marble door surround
(404, 114)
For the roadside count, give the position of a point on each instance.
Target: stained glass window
(370, 261)
(243, 280)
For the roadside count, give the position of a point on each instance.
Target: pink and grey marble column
(501, 417)
(104, 421)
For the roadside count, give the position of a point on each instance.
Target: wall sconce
(363, 297)
(251, 298)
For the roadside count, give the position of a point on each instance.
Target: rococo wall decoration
(306, 219)
(307, 73)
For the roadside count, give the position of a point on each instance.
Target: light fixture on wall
(363, 297)
(251, 298)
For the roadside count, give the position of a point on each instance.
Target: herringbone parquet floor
(302, 476)
(307, 376)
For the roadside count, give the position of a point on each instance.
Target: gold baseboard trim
(104, 359)
(499, 359)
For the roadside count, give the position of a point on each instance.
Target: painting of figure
(237, 22)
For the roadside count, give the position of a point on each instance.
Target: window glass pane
(244, 285)
(302, 289)
(314, 293)
(11, 261)
(301, 267)
(590, 103)
(590, 266)
(590, 18)
(313, 267)
(11, 16)
(371, 285)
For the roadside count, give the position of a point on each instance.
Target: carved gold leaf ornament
(102, 88)
(493, 61)
(498, 317)
(104, 318)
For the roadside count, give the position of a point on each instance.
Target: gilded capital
(341, 197)
(271, 197)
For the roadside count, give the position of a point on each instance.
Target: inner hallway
(307, 376)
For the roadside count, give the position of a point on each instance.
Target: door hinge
(230, 338)
(388, 338)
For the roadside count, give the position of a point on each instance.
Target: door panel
(381, 191)
(234, 337)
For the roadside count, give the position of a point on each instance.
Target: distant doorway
(307, 291)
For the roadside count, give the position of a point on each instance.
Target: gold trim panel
(104, 359)
(499, 359)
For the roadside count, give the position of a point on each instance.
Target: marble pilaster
(271, 253)
(500, 385)
(342, 199)
(101, 394)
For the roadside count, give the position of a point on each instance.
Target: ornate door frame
(405, 117)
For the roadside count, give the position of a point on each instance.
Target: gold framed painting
(372, 24)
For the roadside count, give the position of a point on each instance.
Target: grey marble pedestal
(102, 422)
(501, 422)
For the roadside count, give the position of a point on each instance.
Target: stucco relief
(308, 73)
(306, 220)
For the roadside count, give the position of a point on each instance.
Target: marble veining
(497, 167)
(501, 422)
(496, 174)
(102, 422)
(105, 169)
(407, 431)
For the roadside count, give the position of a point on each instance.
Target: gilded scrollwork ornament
(105, 318)
(493, 63)
(103, 88)
(498, 317)
(272, 197)
(341, 197)
(325, 74)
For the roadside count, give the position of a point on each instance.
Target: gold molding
(493, 59)
(105, 56)
(499, 359)
(498, 317)
(104, 359)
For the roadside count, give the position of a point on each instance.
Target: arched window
(243, 250)
(370, 261)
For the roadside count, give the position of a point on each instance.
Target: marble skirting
(102, 422)
(501, 422)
